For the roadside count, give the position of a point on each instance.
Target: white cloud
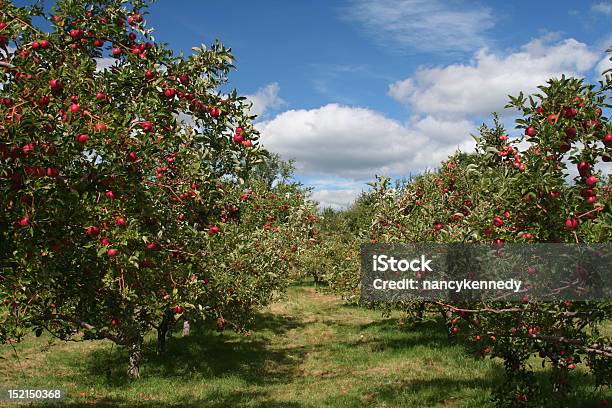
(603, 65)
(423, 25)
(357, 143)
(336, 199)
(340, 147)
(457, 90)
(266, 98)
(104, 63)
(602, 7)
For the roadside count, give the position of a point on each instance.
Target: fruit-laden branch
(87, 326)
(508, 310)
(593, 348)
(6, 65)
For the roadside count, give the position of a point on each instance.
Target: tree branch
(87, 326)
(7, 65)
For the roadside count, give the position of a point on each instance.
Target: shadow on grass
(231, 399)
(428, 393)
(389, 336)
(203, 354)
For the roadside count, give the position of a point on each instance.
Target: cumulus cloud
(457, 90)
(266, 98)
(423, 25)
(356, 143)
(603, 65)
(602, 7)
(336, 199)
(352, 144)
(104, 63)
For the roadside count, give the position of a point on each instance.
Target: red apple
(607, 140)
(214, 112)
(120, 221)
(146, 126)
(93, 231)
(498, 222)
(570, 112)
(112, 252)
(571, 132)
(82, 138)
(587, 192)
(105, 241)
(116, 52)
(101, 127)
(110, 194)
(53, 172)
(213, 230)
(571, 223)
(531, 131)
(170, 93)
(584, 168)
(591, 181)
(55, 84)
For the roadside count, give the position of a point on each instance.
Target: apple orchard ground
(308, 350)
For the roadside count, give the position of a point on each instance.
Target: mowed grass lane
(308, 350)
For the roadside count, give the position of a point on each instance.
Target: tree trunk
(420, 312)
(162, 331)
(135, 351)
(161, 340)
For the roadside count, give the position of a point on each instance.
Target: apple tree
(550, 185)
(121, 188)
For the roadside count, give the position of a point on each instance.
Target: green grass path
(308, 350)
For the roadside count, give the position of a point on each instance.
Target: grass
(309, 350)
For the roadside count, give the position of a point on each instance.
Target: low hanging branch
(7, 65)
(87, 326)
(500, 311)
(593, 348)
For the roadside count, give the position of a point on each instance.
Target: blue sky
(354, 88)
